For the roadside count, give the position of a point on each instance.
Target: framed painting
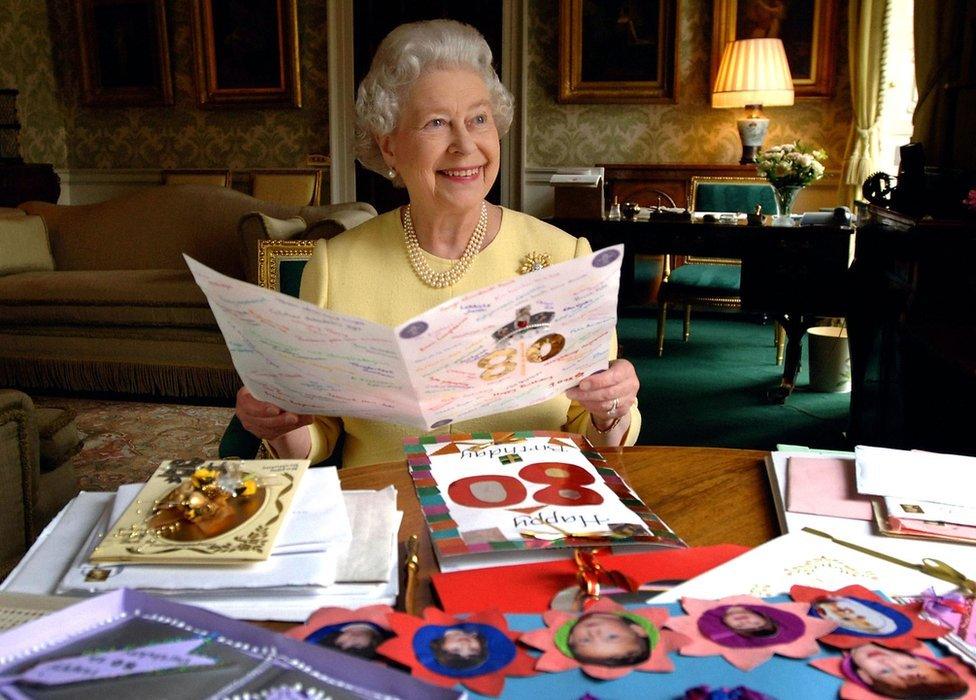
(246, 52)
(618, 51)
(124, 52)
(808, 29)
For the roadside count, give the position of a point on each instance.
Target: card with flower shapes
(862, 616)
(748, 631)
(873, 672)
(477, 651)
(606, 641)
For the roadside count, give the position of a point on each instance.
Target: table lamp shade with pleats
(753, 73)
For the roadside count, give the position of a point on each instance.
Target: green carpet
(708, 391)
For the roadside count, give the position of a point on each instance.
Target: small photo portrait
(357, 637)
(464, 650)
(608, 639)
(750, 626)
(860, 617)
(892, 673)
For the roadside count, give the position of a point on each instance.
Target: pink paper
(825, 486)
(928, 527)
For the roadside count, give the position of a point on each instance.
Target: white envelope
(926, 476)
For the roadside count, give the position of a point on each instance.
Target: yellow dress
(364, 272)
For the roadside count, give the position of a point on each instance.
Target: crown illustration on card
(524, 322)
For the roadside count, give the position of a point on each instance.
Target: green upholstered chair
(711, 282)
(280, 266)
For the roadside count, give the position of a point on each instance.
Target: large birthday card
(500, 498)
(503, 347)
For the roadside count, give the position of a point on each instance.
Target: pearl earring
(391, 173)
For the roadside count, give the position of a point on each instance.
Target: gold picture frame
(246, 53)
(272, 253)
(808, 29)
(124, 52)
(618, 52)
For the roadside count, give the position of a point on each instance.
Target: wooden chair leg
(687, 321)
(662, 317)
(779, 339)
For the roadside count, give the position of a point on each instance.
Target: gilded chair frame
(730, 302)
(316, 173)
(272, 253)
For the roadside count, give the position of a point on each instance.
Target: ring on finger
(612, 411)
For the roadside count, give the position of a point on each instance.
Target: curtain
(866, 50)
(944, 38)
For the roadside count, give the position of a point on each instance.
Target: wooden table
(707, 496)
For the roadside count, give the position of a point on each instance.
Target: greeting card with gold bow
(205, 513)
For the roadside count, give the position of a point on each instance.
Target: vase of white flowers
(789, 168)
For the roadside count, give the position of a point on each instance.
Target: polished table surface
(707, 496)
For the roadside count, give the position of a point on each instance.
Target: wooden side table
(25, 182)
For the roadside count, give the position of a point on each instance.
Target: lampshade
(753, 72)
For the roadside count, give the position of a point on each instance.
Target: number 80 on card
(564, 485)
(504, 361)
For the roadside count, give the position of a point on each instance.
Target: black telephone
(904, 193)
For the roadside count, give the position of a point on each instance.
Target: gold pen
(932, 567)
(413, 566)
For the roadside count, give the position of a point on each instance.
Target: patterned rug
(126, 440)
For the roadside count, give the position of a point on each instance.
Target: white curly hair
(401, 58)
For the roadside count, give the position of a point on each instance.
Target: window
(898, 91)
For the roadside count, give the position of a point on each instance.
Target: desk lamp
(753, 73)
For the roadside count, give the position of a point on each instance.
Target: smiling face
(600, 638)
(357, 636)
(445, 146)
(897, 671)
(462, 643)
(854, 615)
(741, 619)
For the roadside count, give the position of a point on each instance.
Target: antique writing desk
(707, 496)
(792, 273)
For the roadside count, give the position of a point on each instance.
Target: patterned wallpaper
(168, 137)
(689, 131)
(39, 56)
(25, 64)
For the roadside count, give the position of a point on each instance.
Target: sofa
(38, 477)
(98, 299)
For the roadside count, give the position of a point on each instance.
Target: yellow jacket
(364, 272)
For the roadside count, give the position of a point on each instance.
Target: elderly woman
(429, 115)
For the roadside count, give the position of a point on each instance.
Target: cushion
(23, 245)
(115, 298)
(254, 227)
(11, 212)
(720, 277)
(735, 196)
(326, 228)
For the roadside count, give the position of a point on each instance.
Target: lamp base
(749, 154)
(752, 133)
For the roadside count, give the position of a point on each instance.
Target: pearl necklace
(439, 280)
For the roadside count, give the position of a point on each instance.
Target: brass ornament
(531, 262)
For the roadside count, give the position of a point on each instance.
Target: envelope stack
(332, 548)
(920, 494)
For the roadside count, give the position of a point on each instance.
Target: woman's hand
(608, 395)
(266, 420)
